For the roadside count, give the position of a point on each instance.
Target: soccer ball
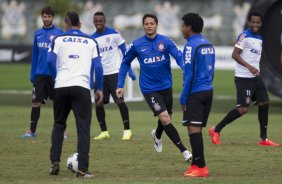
(72, 162)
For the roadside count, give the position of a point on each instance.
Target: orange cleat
(214, 136)
(268, 142)
(190, 169)
(195, 171)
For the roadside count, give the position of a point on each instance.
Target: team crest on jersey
(161, 47)
(52, 37)
(108, 39)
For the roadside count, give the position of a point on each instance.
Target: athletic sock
(34, 117)
(100, 113)
(196, 141)
(159, 130)
(263, 120)
(231, 116)
(124, 115)
(172, 133)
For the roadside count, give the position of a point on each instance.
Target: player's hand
(99, 97)
(119, 92)
(183, 107)
(254, 71)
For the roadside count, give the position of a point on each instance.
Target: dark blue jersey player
(40, 75)
(153, 53)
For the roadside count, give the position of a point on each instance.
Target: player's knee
(36, 104)
(242, 110)
(119, 101)
(263, 104)
(165, 119)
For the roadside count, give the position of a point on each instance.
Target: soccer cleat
(195, 171)
(268, 142)
(65, 135)
(187, 156)
(127, 134)
(190, 169)
(158, 145)
(214, 136)
(28, 134)
(103, 135)
(86, 174)
(55, 169)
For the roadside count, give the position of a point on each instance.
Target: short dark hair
(151, 16)
(195, 21)
(254, 13)
(72, 19)
(48, 10)
(99, 13)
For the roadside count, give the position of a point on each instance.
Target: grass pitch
(238, 159)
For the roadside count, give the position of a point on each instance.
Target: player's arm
(236, 55)
(124, 68)
(176, 53)
(131, 73)
(52, 59)
(34, 60)
(187, 74)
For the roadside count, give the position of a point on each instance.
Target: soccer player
(153, 53)
(72, 58)
(197, 93)
(40, 75)
(249, 84)
(112, 48)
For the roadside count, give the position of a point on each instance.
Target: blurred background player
(153, 53)
(197, 93)
(40, 74)
(72, 59)
(112, 47)
(249, 84)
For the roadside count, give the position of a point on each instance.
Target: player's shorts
(109, 88)
(43, 88)
(250, 89)
(198, 109)
(160, 101)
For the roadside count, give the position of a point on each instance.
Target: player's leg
(37, 98)
(261, 99)
(198, 109)
(244, 93)
(82, 109)
(100, 113)
(61, 107)
(112, 83)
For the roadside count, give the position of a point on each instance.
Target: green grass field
(238, 159)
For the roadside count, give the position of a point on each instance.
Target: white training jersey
(75, 51)
(108, 43)
(251, 46)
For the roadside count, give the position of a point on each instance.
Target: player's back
(75, 51)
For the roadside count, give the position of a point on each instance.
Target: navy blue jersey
(41, 43)
(154, 59)
(199, 60)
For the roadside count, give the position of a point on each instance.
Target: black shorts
(43, 88)
(250, 89)
(198, 109)
(109, 88)
(160, 101)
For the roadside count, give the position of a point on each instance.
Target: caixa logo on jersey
(154, 59)
(75, 39)
(205, 51)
